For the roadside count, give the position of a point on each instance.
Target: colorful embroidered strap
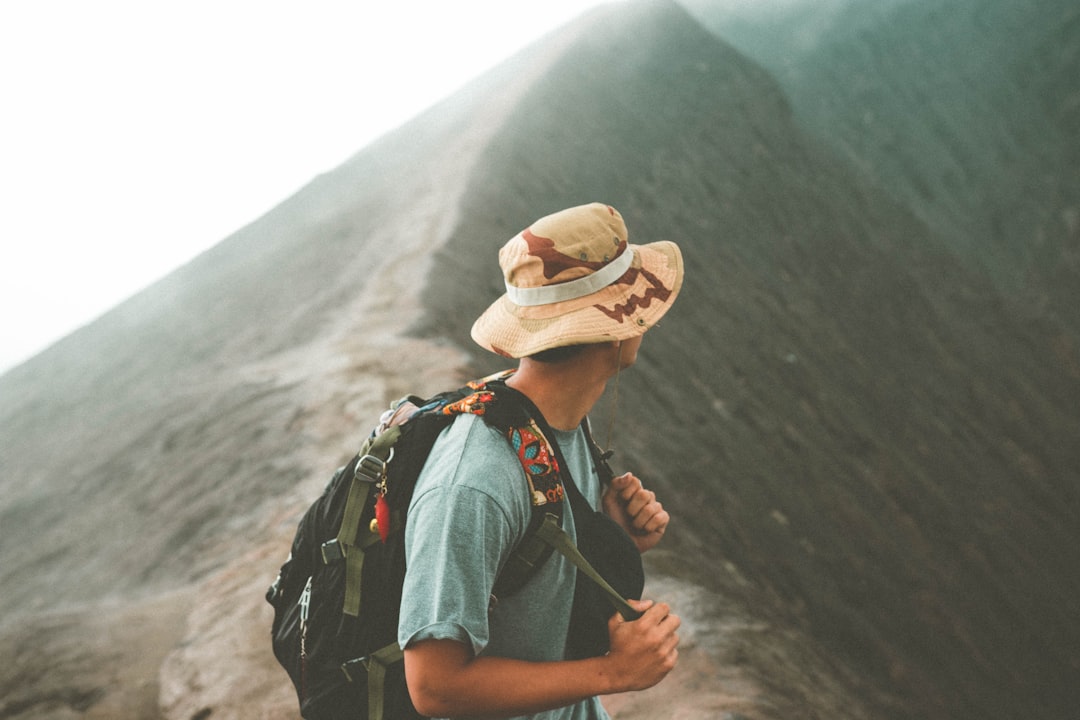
(538, 460)
(533, 449)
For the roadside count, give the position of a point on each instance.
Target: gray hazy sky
(137, 134)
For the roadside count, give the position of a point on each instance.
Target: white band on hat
(574, 289)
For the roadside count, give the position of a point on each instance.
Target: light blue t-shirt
(469, 510)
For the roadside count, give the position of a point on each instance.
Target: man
(579, 298)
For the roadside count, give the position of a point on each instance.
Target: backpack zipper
(305, 607)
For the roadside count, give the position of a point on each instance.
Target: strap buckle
(377, 661)
(350, 667)
(332, 551)
(369, 469)
(375, 664)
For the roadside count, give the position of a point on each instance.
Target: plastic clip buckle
(349, 667)
(370, 469)
(332, 552)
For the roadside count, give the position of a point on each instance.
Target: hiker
(578, 300)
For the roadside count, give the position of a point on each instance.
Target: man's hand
(645, 650)
(636, 510)
(446, 680)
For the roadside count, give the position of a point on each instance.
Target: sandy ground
(193, 655)
(99, 663)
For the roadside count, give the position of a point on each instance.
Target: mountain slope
(868, 450)
(845, 410)
(185, 430)
(967, 113)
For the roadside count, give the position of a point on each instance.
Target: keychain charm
(381, 522)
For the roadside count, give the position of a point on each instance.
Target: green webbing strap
(370, 466)
(552, 533)
(354, 570)
(376, 665)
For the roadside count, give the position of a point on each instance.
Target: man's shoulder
(471, 453)
(472, 435)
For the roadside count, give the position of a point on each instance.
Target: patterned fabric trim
(533, 449)
(475, 404)
(538, 459)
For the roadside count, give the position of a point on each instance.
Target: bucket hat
(573, 278)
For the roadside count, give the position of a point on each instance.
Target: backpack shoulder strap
(515, 417)
(368, 470)
(513, 414)
(546, 533)
(600, 457)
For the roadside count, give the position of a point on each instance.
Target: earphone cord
(614, 403)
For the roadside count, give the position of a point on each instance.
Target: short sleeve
(463, 522)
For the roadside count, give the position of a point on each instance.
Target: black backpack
(337, 597)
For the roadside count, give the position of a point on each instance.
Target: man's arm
(637, 510)
(445, 679)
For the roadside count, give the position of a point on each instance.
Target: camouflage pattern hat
(573, 278)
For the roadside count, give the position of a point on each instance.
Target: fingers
(646, 512)
(653, 614)
(645, 650)
(666, 624)
(656, 522)
(632, 493)
(637, 510)
(660, 614)
(658, 623)
(642, 606)
(627, 482)
(635, 500)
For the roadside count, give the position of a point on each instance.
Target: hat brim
(623, 310)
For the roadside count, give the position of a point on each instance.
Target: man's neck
(565, 392)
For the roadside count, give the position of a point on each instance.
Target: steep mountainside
(969, 113)
(867, 442)
(850, 416)
(158, 458)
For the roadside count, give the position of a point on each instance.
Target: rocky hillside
(866, 434)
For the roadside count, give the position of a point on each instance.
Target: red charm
(382, 517)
